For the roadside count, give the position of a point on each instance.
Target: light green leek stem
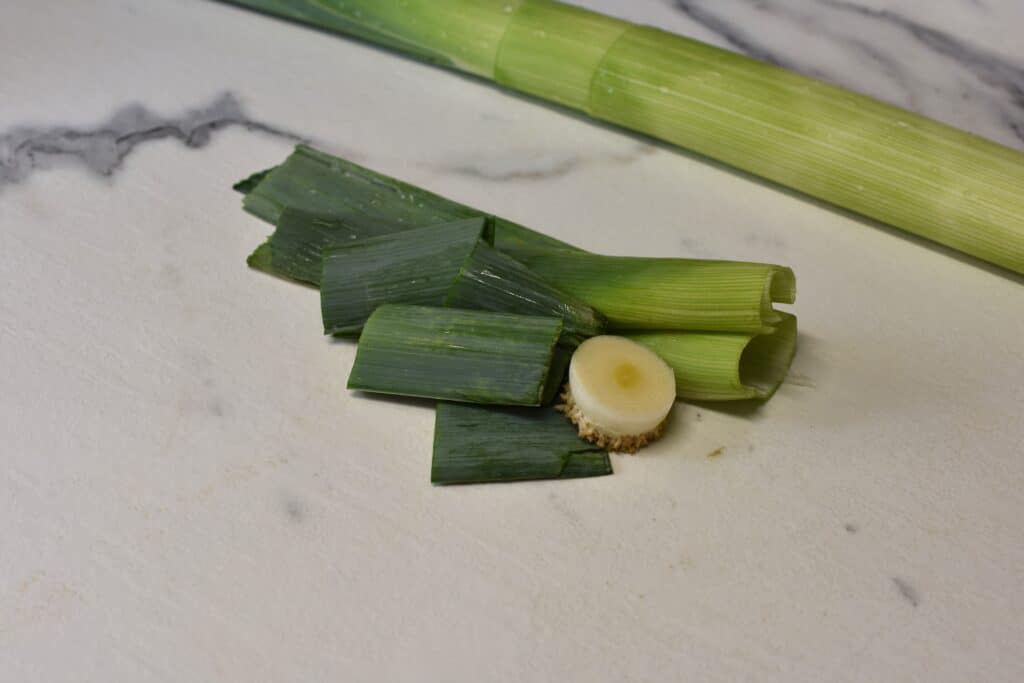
(871, 158)
(725, 367)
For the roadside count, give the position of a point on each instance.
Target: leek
(457, 355)
(411, 267)
(475, 444)
(659, 293)
(333, 188)
(669, 293)
(846, 149)
(725, 367)
(492, 281)
(296, 249)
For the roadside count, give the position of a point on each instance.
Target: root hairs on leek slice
(619, 393)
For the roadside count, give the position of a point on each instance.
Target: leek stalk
(339, 190)
(725, 367)
(855, 152)
(669, 293)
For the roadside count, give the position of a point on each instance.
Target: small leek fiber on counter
(410, 267)
(330, 187)
(493, 281)
(668, 293)
(852, 151)
(457, 355)
(477, 444)
(725, 367)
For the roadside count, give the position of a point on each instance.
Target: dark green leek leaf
(476, 444)
(330, 187)
(411, 267)
(492, 281)
(456, 355)
(297, 247)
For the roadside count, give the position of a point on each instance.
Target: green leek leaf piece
(493, 281)
(456, 355)
(330, 187)
(476, 444)
(410, 267)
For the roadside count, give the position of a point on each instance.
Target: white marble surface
(187, 492)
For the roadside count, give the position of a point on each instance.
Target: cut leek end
(782, 285)
(766, 359)
(619, 393)
(601, 437)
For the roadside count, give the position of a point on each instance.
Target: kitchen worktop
(188, 492)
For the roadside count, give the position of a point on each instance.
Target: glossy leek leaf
(457, 355)
(476, 444)
(490, 280)
(330, 187)
(411, 267)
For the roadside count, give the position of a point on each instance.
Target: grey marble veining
(102, 149)
(898, 58)
(538, 165)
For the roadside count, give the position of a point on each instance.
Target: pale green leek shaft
(852, 151)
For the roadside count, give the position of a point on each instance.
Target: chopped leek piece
(852, 151)
(296, 249)
(725, 367)
(492, 281)
(669, 293)
(411, 267)
(619, 393)
(457, 355)
(476, 444)
(331, 187)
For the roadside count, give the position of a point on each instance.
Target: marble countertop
(188, 493)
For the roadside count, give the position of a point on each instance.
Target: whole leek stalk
(855, 152)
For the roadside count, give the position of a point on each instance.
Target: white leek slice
(619, 393)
